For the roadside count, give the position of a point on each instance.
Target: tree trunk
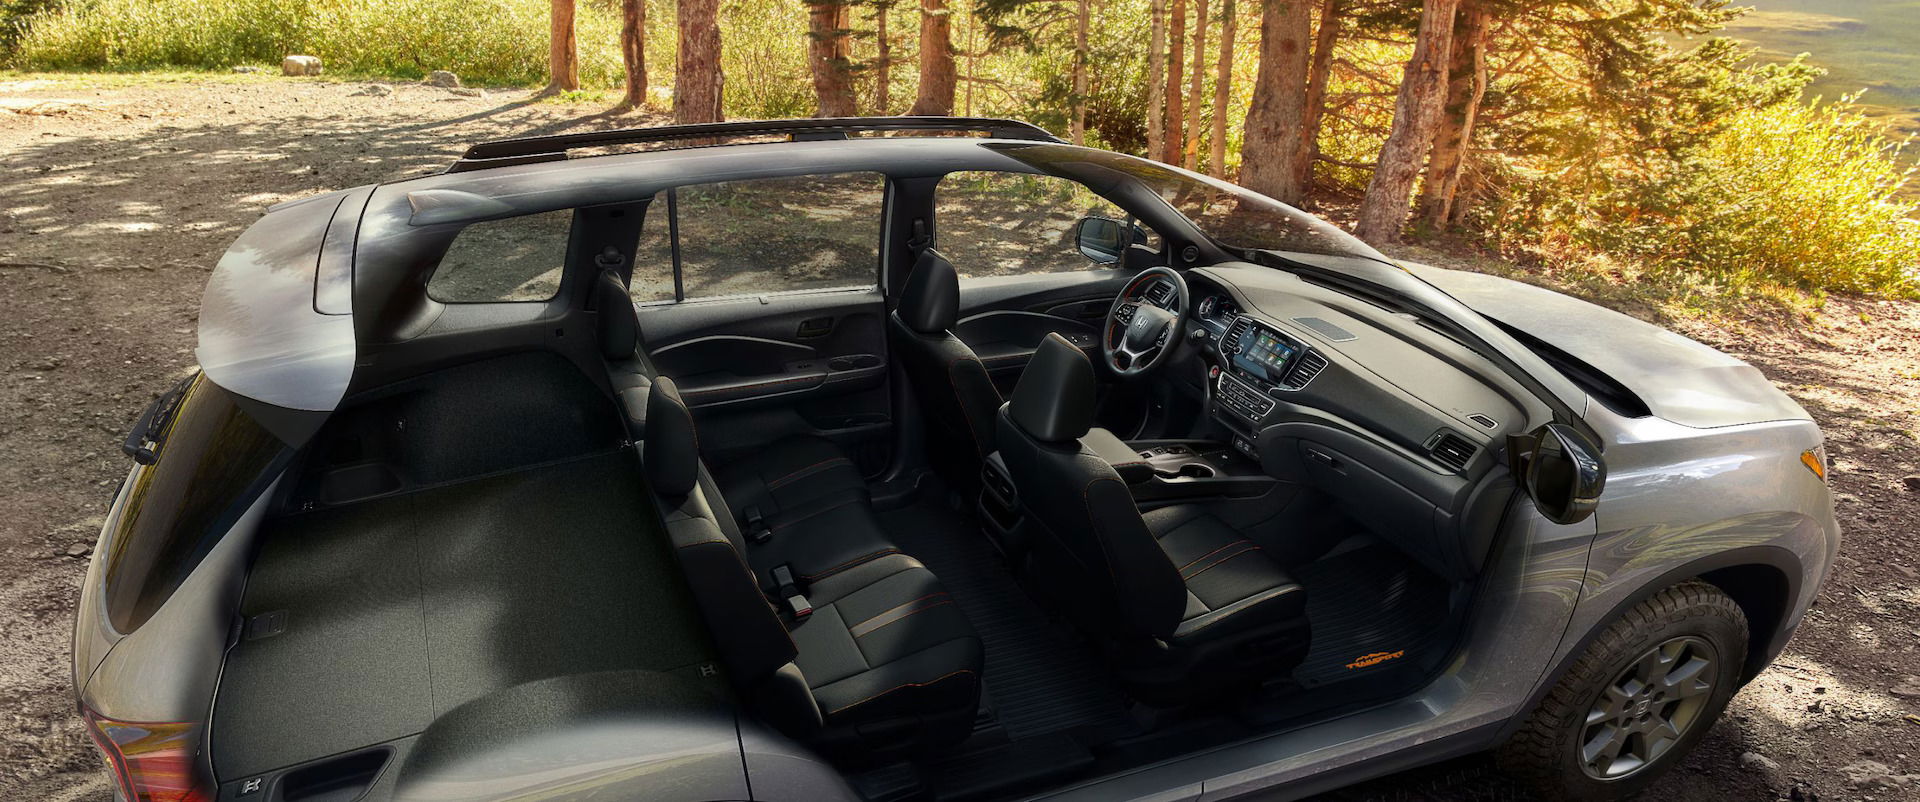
(828, 25)
(937, 77)
(1156, 75)
(1222, 92)
(1466, 85)
(1176, 75)
(697, 81)
(1274, 132)
(633, 51)
(1078, 125)
(563, 60)
(1196, 85)
(1317, 74)
(1383, 211)
(882, 61)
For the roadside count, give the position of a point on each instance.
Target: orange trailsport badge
(1376, 658)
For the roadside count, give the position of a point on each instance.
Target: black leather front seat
(1190, 606)
(957, 396)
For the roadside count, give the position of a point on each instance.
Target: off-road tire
(1545, 752)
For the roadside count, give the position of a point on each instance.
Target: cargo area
(421, 566)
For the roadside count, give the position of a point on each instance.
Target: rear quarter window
(214, 460)
(514, 259)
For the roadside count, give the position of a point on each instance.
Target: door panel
(756, 369)
(1004, 319)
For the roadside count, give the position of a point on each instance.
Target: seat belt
(789, 588)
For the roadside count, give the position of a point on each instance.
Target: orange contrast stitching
(905, 686)
(1190, 563)
(1216, 563)
(791, 476)
(908, 614)
(857, 561)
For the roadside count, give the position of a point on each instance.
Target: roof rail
(532, 150)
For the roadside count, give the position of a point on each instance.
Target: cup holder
(1191, 470)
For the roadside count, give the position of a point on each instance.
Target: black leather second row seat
(1190, 606)
(957, 397)
(881, 663)
(800, 502)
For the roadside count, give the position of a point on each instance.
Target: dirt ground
(118, 193)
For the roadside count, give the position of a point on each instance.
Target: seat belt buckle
(757, 529)
(800, 607)
(789, 587)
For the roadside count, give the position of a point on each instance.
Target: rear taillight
(153, 761)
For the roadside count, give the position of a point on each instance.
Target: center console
(1191, 470)
(1259, 363)
(1181, 471)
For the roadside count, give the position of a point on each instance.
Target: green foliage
(1799, 194)
(1611, 133)
(485, 41)
(763, 55)
(13, 21)
(1694, 162)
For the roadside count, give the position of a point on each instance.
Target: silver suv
(916, 458)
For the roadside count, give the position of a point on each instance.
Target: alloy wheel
(1645, 710)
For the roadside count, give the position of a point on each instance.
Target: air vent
(1485, 422)
(1450, 449)
(1230, 344)
(1311, 363)
(1158, 293)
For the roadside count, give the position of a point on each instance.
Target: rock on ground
(300, 65)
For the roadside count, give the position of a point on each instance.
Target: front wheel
(1637, 700)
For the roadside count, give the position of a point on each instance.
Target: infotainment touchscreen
(1264, 354)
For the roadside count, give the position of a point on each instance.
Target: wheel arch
(1763, 580)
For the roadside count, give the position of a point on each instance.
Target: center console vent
(1311, 363)
(1450, 449)
(1230, 342)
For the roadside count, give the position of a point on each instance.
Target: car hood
(1678, 379)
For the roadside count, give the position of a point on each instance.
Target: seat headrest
(672, 448)
(931, 300)
(619, 325)
(1054, 400)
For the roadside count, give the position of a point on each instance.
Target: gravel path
(118, 192)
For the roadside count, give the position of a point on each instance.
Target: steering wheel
(1140, 333)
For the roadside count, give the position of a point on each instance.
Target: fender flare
(1759, 654)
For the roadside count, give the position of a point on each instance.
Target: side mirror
(1103, 240)
(1561, 469)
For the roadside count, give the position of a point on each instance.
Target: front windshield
(1235, 218)
(1268, 232)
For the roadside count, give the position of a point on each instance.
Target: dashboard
(1280, 349)
(1394, 419)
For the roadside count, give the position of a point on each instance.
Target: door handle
(816, 327)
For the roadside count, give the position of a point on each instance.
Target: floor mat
(1040, 678)
(1372, 610)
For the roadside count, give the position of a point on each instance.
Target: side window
(514, 259)
(1012, 224)
(815, 232)
(214, 462)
